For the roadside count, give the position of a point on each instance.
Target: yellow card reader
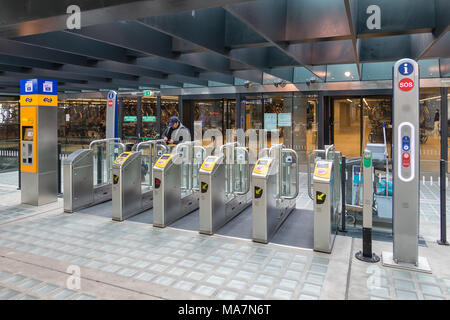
(323, 170)
(209, 163)
(123, 156)
(163, 160)
(262, 166)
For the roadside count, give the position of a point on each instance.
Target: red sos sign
(406, 84)
(110, 103)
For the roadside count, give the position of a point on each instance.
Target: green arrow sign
(148, 119)
(130, 119)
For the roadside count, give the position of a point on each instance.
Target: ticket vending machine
(406, 163)
(325, 220)
(38, 140)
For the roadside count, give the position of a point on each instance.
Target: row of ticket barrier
(177, 180)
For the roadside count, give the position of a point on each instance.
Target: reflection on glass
(169, 108)
(129, 118)
(430, 149)
(80, 121)
(9, 134)
(347, 115)
(149, 121)
(376, 112)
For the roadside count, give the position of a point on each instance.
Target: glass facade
(9, 134)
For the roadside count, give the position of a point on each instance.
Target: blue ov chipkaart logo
(405, 68)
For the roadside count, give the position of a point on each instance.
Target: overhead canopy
(176, 43)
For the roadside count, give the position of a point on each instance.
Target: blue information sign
(406, 143)
(38, 86)
(405, 68)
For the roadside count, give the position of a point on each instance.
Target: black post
(19, 153)
(343, 184)
(59, 168)
(237, 111)
(139, 118)
(322, 125)
(99, 165)
(443, 165)
(158, 115)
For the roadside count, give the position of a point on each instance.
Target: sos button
(405, 84)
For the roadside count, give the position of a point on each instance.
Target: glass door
(129, 118)
(149, 123)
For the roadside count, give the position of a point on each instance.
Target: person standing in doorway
(176, 132)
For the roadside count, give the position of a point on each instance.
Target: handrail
(229, 144)
(297, 178)
(328, 149)
(279, 145)
(249, 174)
(106, 140)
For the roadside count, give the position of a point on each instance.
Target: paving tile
(257, 258)
(315, 278)
(177, 271)
(379, 291)
(237, 284)
(244, 274)
(277, 262)
(169, 260)
(45, 289)
(127, 272)
(5, 274)
(94, 264)
(282, 294)
(85, 297)
(232, 263)
(28, 284)
(319, 260)
(187, 263)
(110, 267)
(430, 289)
(250, 297)
(265, 251)
(275, 271)
(205, 290)
(291, 284)
(296, 266)
(403, 284)
(378, 298)
(426, 278)
(184, 285)
(405, 295)
(251, 266)
(311, 288)
(63, 294)
(153, 256)
(164, 280)
(259, 289)
(8, 294)
(227, 295)
(141, 264)
(265, 279)
(215, 280)
(318, 268)
(13, 279)
(303, 296)
(214, 259)
(204, 267)
(431, 297)
(145, 276)
(224, 270)
(195, 275)
(283, 255)
(28, 297)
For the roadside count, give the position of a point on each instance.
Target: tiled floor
(172, 263)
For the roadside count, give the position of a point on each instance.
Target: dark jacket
(180, 134)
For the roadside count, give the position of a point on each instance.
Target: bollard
(366, 254)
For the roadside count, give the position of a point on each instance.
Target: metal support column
(158, 115)
(119, 116)
(18, 152)
(322, 126)
(238, 119)
(343, 184)
(139, 117)
(180, 108)
(443, 165)
(59, 168)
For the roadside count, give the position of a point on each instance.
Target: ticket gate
(132, 191)
(275, 184)
(224, 187)
(88, 176)
(325, 191)
(176, 184)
